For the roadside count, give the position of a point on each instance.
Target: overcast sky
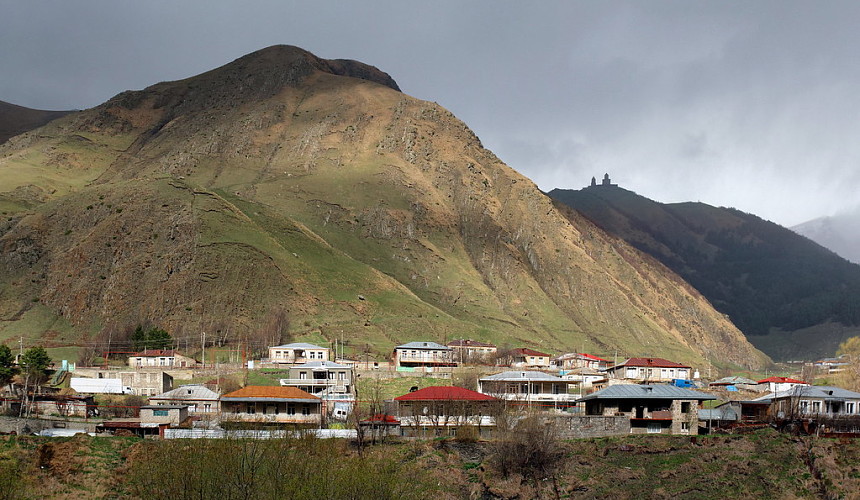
(746, 104)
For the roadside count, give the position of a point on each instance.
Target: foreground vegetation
(759, 465)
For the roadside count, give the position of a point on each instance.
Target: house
(471, 351)
(731, 413)
(530, 388)
(63, 405)
(298, 353)
(779, 384)
(162, 358)
(320, 377)
(427, 355)
(99, 386)
(271, 405)
(524, 357)
(649, 370)
(574, 360)
(736, 383)
(163, 414)
(198, 398)
(833, 365)
(441, 410)
(652, 409)
(586, 377)
(818, 401)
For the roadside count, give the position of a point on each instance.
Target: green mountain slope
(284, 182)
(786, 293)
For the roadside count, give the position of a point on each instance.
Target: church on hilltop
(605, 183)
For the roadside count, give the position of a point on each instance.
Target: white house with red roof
(441, 410)
(650, 370)
(780, 384)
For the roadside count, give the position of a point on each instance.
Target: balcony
(281, 418)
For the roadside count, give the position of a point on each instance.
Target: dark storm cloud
(746, 104)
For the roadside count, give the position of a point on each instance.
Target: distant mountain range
(839, 233)
(793, 298)
(283, 185)
(16, 119)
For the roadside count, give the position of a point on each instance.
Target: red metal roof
(591, 356)
(525, 351)
(383, 419)
(445, 393)
(653, 362)
(781, 380)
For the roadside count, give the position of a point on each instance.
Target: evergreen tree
(7, 365)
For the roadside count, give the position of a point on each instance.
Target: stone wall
(575, 426)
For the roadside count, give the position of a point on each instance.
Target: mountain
(283, 186)
(792, 298)
(839, 233)
(16, 119)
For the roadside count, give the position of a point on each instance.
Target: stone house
(163, 414)
(652, 409)
(472, 351)
(198, 398)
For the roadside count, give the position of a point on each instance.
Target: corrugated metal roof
(423, 345)
(733, 380)
(523, 376)
(654, 391)
(818, 391)
(725, 413)
(190, 392)
(323, 364)
(298, 345)
(445, 393)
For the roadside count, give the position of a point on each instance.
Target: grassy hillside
(763, 465)
(782, 290)
(283, 182)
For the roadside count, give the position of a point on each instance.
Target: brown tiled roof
(653, 362)
(525, 351)
(270, 391)
(155, 352)
(468, 343)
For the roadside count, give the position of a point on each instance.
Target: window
(303, 375)
(685, 426)
(306, 410)
(207, 407)
(804, 407)
(849, 407)
(159, 413)
(685, 407)
(291, 409)
(252, 409)
(654, 428)
(816, 407)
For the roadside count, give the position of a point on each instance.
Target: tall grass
(297, 468)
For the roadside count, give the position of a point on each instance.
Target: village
(426, 390)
